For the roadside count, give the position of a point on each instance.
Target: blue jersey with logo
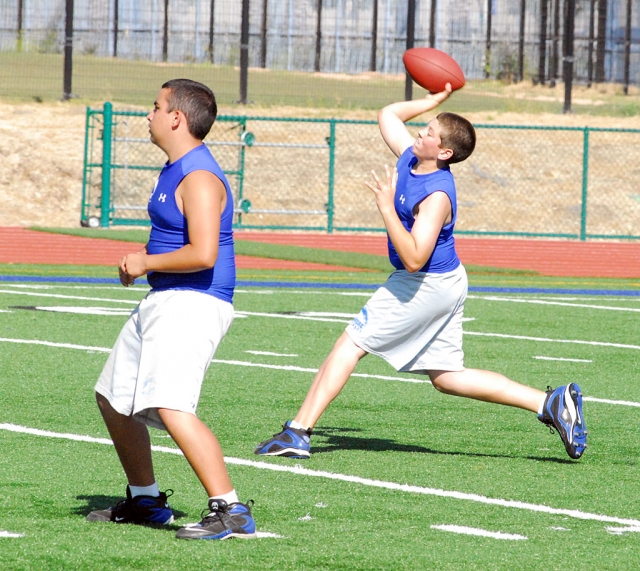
(411, 190)
(169, 229)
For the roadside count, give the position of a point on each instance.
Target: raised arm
(392, 119)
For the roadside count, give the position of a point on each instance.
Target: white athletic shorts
(414, 321)
(162, 354)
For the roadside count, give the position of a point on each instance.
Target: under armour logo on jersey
(402, 198)
(162, 197)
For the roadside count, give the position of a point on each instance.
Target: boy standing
(155, 372)
(414, 321)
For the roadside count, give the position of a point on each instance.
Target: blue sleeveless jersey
(412, 189)
(169, 230)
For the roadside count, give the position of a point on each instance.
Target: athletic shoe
(222, 522)
(291, 442)
(563, 411)
(141, 510)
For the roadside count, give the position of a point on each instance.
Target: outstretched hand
(384, 191)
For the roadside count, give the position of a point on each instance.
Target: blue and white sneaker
(563, 411)
(223, 521)
(291, 442)
(141, 510)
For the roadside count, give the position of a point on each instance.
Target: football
(432, 69)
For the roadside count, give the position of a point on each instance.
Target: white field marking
(221, 361)
(330, 317)
(139, 288)
(299, 470)
(279, 367)
(547, 340)
(324, 314)
(480, 532)
(546, 302)
(272, 354)
(306, 292)
(5, 311)
(559, 528)
(290, 316)
(9, 534)
(589, 298)
(621, 530)
(60, 296)
(607, 401)
(306, 517)
(59, 345)
(85, 310)
(562, 359)
(314, 371)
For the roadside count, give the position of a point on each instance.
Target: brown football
(432, 69)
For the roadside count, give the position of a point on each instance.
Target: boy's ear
(445, 154)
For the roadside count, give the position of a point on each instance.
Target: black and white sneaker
(222, 521)
(141, 510)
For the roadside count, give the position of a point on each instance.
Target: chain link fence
(503, 39)
(309, 174)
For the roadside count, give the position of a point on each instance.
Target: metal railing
(308, 174)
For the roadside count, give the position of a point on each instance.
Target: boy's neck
(428, 167)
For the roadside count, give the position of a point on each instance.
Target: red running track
(547, 257)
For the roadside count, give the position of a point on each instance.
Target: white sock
(541, 407)
(297, 425)
(151, 490)
(230, 497)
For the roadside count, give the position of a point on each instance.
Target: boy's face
(427, 145)
(160, 119)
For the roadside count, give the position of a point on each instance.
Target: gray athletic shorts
(162, 354)
(414, 321)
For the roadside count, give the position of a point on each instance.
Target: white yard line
(541, 358)
(479, 532)
(270, 354)
(282, 367)
(406, 488)
(548, 340)
(548, 302)
(61, 296)
(9, 534)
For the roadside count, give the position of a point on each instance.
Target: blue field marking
(322, 285)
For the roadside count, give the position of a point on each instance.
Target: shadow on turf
(337, 440)
(99, 502)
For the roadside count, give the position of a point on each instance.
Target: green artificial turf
(468, 464)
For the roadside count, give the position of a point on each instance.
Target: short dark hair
(457, 134)
(196, 101)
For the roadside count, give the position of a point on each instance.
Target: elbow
(413, 266)
(383, 113)
(206, 260)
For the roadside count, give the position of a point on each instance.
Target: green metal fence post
(84, 213)
(105, 200)
(585, 183)
(331, 140)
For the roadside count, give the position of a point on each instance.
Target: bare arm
(201, 197)
(415, 247)
(392, 119)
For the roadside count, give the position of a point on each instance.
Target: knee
(440, 381)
